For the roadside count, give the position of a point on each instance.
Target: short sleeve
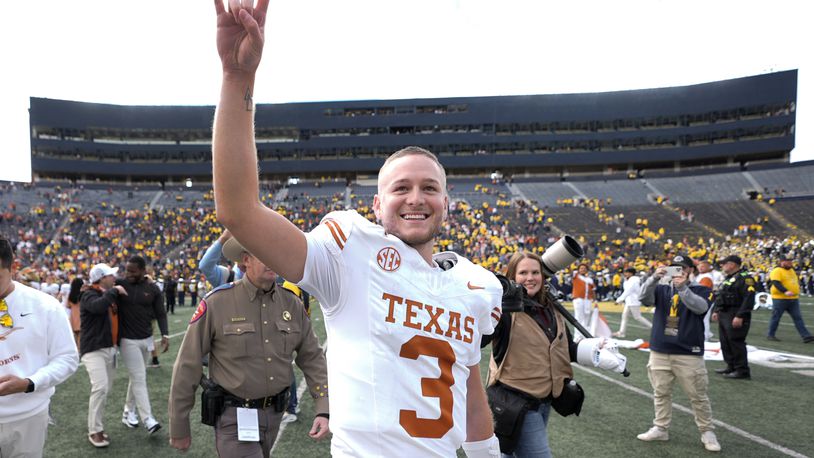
(324, 271)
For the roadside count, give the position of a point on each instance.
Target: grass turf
(775, 406)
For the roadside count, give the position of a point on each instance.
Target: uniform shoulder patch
(222, 287)
(199, 312)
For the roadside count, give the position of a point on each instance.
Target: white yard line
(727, 426)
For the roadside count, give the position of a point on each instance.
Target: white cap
(100, 271)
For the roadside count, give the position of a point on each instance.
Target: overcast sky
(163, 53)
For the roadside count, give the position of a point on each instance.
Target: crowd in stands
(60, 235)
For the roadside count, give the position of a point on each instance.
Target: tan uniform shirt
(251, 338)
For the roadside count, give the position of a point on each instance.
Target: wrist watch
(30, 387)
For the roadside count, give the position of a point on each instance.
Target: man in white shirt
(37, 352)
(630, 297)
(404, 327)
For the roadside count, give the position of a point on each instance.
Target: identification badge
(671, 328)
(247, 429)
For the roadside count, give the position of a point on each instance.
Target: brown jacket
(532, 363)
(251, 338)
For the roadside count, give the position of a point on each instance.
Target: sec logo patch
(389, 259)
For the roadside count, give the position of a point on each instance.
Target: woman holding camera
(536, 361)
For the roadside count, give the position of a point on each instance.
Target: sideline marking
(734, 429)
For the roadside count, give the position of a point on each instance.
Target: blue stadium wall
(721, 122)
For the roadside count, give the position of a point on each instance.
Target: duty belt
(259, 403)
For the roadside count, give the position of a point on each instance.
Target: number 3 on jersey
(440, 387)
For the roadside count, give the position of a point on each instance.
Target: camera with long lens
(558, 256)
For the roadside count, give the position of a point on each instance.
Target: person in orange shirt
(584, 295)
(706, 277)
(73, 303)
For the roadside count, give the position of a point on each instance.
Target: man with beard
(143, 303)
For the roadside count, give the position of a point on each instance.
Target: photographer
(535, 378)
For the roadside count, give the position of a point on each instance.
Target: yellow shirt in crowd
(788, 278)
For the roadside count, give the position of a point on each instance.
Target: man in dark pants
(170, 287)
(733, 311)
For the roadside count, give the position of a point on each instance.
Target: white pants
(101, 368)
(634, 310)
(24, 438)
(134, 355)
(582, 312)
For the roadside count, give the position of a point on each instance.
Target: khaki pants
(226, 441)
(663, 369)
(24, 438)
(101, 370)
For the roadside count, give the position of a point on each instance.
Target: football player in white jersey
(404, 327)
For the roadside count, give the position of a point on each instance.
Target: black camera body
(513, 294)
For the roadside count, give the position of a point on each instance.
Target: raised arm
(265, 233)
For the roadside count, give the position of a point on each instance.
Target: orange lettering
(454, 325)
(393, 301)
(468, 322)
(440, 388)
(410, 313)
(433, 319)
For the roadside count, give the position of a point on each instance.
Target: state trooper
(251, 329)
(733, 311)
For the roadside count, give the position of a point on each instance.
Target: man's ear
(377, 207)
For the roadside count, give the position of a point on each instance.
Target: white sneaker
(710, 441)
(152, 425)
(289, 417)
(654, 434)
(129, 419)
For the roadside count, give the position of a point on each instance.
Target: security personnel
(251, 328)
(733, 311)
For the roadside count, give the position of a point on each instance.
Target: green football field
(770, 415)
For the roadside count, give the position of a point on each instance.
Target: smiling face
(412, 200)
(529, 275)
(133, 272)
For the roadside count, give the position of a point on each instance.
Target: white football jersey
(401, 334)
